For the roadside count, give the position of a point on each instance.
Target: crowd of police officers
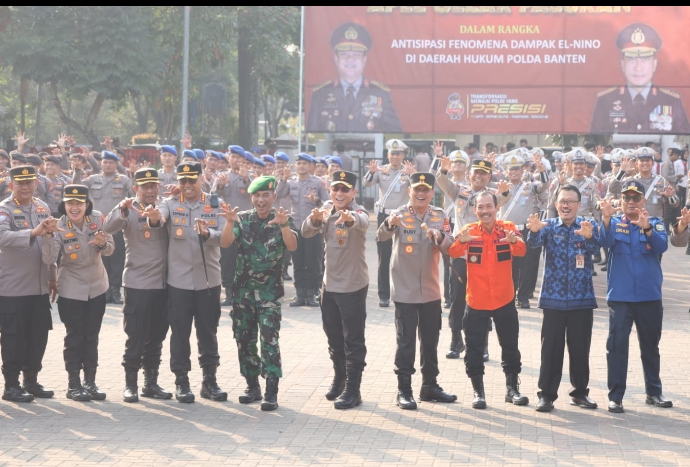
(83, 226)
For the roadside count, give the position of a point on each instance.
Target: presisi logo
(507, 109)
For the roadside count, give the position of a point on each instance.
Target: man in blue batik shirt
(567, 297)
(635, 243)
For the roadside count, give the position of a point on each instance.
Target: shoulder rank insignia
(606, 91)
(670, 93)
(380, 85)
(323, 84)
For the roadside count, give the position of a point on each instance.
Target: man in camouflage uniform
(263, 235)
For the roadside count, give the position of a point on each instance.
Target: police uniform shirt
(185, 266)
(146, 248)
(371, 111)
(389, 179)
(234, 192)
(415, 258)
(107, 192)
(167, 178)
(298, 191)
(346, 266)
(81, 274)
(655, 201)
(659, 111)
(523, 203)
(55, 186)
(5, 190)
(21, 269)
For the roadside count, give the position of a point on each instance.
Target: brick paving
(307, 430)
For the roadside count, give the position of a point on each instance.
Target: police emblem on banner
(455, 109)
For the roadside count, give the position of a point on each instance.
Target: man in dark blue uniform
(639, 106)
(351, 103)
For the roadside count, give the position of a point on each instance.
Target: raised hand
(51, 226)
(281, 216)
(585, 230)
(409, 168)
(395, 220)
(107, 143)
(669, 191)
(21, 140)
(561, 178)
(642, 220)
(503, 186)
(464, 235)
(446, 163)
(244, 172)
(534, 224)
(438, 148)
(684, 219)
(607, 208)
(490, 157)
(222, 180)
(153, 214)
(311, 197)
(230, 214)
(71, 141)
(128, 203)
(62, 139)
(186, 141)
(373, 166)
(539, 164)
(99, 239)
(510, 237)
(345, 216)
(172, 190)
(600, 152)
(133, 166)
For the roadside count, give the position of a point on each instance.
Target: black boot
(151, 387)
(182, 391)
(33, 387)
(405, 399)
(310, 298)
(479, 401)
(286, 276)
(431, 391)
(271, 397)
(131, 389)
(457, 345)
(252, 392)
(351, 397)
(117, 298)
(513, 390)
(227, 301)
(14, 392)
(90, 383)
(299, 298)
(75, 390)
(209, 386)
(339, 376)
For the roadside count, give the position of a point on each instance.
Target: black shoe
(485, 355)
(117, 298)
(433, 392)
(405, 399)
(209, 386)
(271, 396)
(108, 296)
(596, 259)
(252, 392)
(151, 387)
(513, 390)
(33, 387)
(351, 396)
(457, 346)
(226, 302)
(311, 301)
(616, 407)
(605, 268)
(286, 276)
(446, 304)
(584, 402)
(339, 377)
(90, 382)
(594, 273)
(544, 405)
(298, 301)
(182, 391)
(75, 390)
(130, 394)
(524, 304)
(15, 393)
(659, 401)
(384, 302)
(479, 400)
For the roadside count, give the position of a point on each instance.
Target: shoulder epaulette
(379, 84)
(670, 93)
(606, 91)
(323, 84)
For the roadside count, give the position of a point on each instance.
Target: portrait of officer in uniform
(351, 103)
(639, 106)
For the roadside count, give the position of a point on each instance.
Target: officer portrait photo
(639, 106)
(351, 102)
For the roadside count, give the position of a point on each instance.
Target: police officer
(167, 173)
(145, 309)
(282, 161)
(635, 241)
(194, 225)
(639, 106)
(262, 234)
(351, 102)
(577, 158)
(56, 183)
(393, 180)
(306, 193)
(25, 286)
(82, 284)
(106, 190)
(417, 230)
(344, 225)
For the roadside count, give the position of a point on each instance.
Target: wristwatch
(648, 229)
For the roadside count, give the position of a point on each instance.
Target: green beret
(263, 183)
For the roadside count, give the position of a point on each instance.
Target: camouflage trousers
(251, 318)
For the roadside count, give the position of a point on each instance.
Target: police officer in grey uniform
(145, 309)
(393, 180)
(193, 222)
(417, 230)
(25, 286)
(306, 193)
(587, 186)
(167, 173)
(344, 225)
(56, 183)
(282, 161)
(107, 189)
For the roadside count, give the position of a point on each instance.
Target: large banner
(486, 69)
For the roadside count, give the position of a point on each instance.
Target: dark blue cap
(110, 156)
(199, 154)
(189, 153)
(168, 148)
(281, 156)
(305, 157)
(633, 185)
(337, 160)
(234, 149)
(249, 156)
(255, 150)
(268, 158)
(258, 161)
(214, 154)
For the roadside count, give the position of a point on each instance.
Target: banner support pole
(301, 78)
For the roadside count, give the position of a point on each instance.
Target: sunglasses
(340, 187)
(635, 198)
(191, 181)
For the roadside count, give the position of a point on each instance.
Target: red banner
(513, 69)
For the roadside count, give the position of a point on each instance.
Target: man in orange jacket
(490, 245)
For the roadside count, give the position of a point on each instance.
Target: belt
(386, 211)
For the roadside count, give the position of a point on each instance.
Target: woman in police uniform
(82, 283)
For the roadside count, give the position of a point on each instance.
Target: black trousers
(344, 317)
(408, 318)
(24, 325)
(648, 317)
(525, 272)
(145, 321)
(558, 328)
(228, 265)
(287, 260)
(476, 325)
(447, 293)
(115, 263)
(459, 293)
(202, 307)
(307, 259)
(385, 250)
(82, 319)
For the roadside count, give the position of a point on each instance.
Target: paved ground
(308, 430)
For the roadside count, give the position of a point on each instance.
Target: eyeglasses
(635, 198)
(340, 187)
(191, 181)
(567, 202)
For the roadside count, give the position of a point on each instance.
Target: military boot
(182, 391)
(131, 389)
(405, 399)
(457, 345)
(513, 390)
(227, 301)
(33, 387)
(209, 386)
(271, 396)
(117, 298)
(479, 401)
(151, 387)
(14, 392)
(299, 299)
(311, 299)
(351, 397)
(339, 376)
(75, 390)
(252, 392)
(431, 391)
(90, 384)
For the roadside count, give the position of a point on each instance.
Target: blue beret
(255, 150)
(168, 148)
(321, 160)
(337, 160)
(110, 156)
(305, 157)
(259, 161)
(213, 153)
(281, 156)
(268, 158)
(249, 156)
(234, 149)
(220, 155)
(199, 154)
(189, 153)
